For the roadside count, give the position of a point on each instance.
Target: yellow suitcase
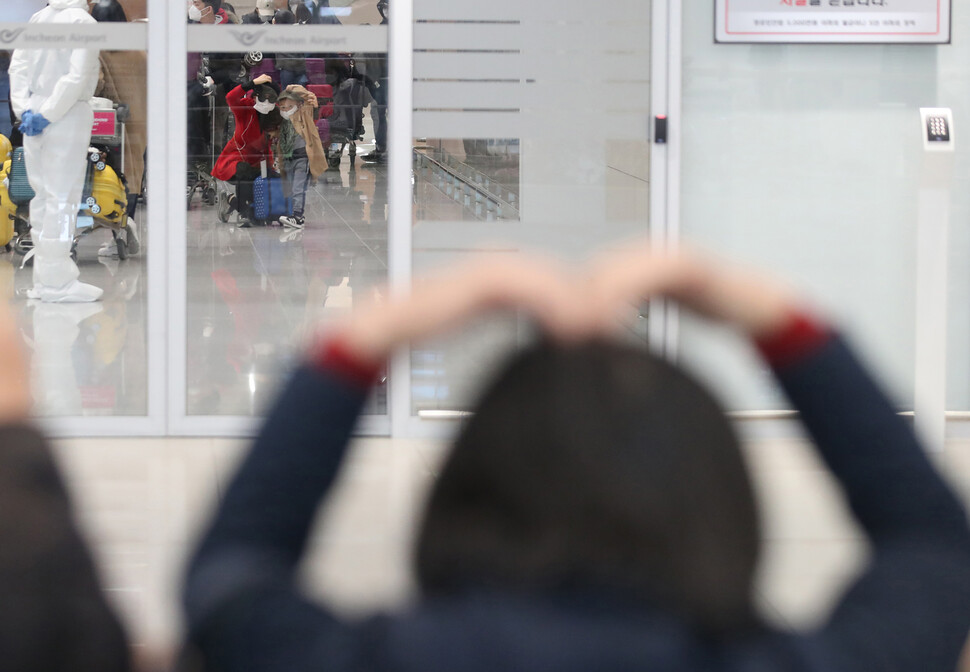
(6, 148)
(107, 200)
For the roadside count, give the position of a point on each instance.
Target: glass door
(285, 225)
(75, 204)
(531, 132)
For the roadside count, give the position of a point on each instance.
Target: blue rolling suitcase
(269, 201)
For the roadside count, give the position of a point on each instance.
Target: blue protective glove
(32, 123)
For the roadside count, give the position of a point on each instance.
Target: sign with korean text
(104, 123)
(833, 21)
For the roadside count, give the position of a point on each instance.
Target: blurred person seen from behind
(596, 512)
(53, 613)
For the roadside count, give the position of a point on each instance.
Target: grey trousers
(296, 180)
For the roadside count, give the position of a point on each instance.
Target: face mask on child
(264, 106)
(195, 14)
(286, 114)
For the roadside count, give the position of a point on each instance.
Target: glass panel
(532, 121)
(954, 81)
(287, 218)
(71, 203)
(804, 159)
(468, 179)
(21, 11)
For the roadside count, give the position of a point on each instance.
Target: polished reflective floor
(142, 504)
(87, 359)
(255, 295)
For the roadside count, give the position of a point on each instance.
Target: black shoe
(292, 222)
(375, 157)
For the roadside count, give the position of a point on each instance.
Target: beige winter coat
(304, 122)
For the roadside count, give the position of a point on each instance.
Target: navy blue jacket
(908, 612)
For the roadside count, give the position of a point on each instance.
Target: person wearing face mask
(253, 106)
(299, 147)
(264, 13)
(209, 12)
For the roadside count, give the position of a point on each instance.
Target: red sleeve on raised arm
(801, 336)
(334, 356)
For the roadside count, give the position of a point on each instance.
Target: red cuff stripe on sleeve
(334, 356)
(801, 336)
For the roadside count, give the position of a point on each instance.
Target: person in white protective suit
(49, 91)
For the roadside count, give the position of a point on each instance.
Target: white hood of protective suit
(51, 81)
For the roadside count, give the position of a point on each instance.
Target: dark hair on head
(53, 615)
(108, 11)
(604, 466)
(215, 4)
(269, 91)
(284, 17)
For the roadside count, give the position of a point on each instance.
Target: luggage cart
(199, 179)
(104, 203)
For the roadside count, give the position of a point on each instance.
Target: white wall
(953, 77)
(805, 159)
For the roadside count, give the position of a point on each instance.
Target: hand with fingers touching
(444, 302)
(570, 307)
(262, 79)
(756, 304)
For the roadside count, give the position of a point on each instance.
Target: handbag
(21, 193)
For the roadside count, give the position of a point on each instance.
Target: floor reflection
(256, 294)
(91, 359)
